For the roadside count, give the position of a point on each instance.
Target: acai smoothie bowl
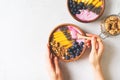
(67, 42)
(86, 10)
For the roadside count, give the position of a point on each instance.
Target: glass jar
(110, 26)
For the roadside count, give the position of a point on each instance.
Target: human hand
(96, 51)
(53, 67)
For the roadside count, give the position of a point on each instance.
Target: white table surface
(24, 29)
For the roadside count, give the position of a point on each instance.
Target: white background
(24, 29)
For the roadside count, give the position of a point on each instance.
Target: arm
(53, 67)
(95, 56)
(98, 72)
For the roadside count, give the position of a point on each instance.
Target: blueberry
(70, 5)
(72, 47)
(74, 6)
(90, 7)
(70, 1)
(78, 46)
(75, 43)
(72, 56)
(65, 28)
(81, 4)
(71, 10)
(81, 47)
(73, 13)
(78, 12)
(98, 10)
(74, 3)
(67, 57)
(75, 10)
(84, 7)
(82, 43)
(74, 51)
(79, 7)
(62, 28)
(77, 54)
(68, 50)
(78, 50)
(71, 53)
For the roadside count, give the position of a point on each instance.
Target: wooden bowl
(61, 39)
(95, 12)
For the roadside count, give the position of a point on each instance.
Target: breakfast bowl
(67, 42)
(86, 10)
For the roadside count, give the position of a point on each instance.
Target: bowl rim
(90, 20)
(67, 24)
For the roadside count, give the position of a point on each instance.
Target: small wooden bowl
(51, 38)
(84, 21)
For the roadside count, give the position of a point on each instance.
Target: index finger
(92, 35)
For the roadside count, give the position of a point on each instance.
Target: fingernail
(93, 38)
(87, 33)
(55, 58)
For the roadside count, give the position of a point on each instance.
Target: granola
(112, 25)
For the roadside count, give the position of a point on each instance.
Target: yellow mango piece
(90, 1)
(95, 2)
(65, 43)
(69, 45)
(59, 35)
(60, 38)
(83, 0)
(99, 4)
(58, 32)
(86, 1)
(78, 1)
(75, 0)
